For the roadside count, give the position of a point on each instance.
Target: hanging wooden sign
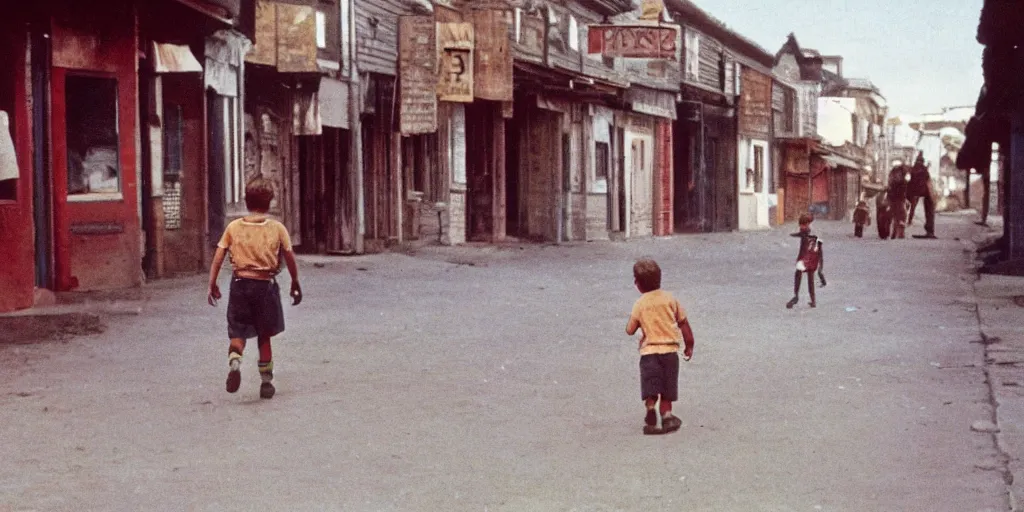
(296, 39)
(492, 58)
(264, 50)
(417, 52)
(642, 41)
(455, 62)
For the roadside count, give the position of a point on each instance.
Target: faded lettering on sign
(634, 41)
(417, 48)
(455, 62)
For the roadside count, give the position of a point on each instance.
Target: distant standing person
(254, 243)
(896, 196)
(921, 187)
(861, 218)
(809, 259)
(665, 326)
(884, 218)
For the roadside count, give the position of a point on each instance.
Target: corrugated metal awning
(841, 161)
(224, 11)
(175, 58)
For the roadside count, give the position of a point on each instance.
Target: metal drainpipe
(355, 121)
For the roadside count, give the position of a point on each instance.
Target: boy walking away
(664, 324)
(810, 258)
(255, 244)
(861, 218)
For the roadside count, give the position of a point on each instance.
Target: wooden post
(397, 198)
(499, 211)
(1014, 222)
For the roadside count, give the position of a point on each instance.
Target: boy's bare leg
(235, 351)
(810, 289)
(796, 290)
(266, 366)
(650, 419)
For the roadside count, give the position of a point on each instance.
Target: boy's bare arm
(293, 271)
(688, 339)
(213, 291)
(632, 326)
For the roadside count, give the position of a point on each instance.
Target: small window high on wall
(92, 136)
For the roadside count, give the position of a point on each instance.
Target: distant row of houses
(134, 126)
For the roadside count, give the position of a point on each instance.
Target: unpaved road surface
(502, 380)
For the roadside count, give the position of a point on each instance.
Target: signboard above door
(638, 41)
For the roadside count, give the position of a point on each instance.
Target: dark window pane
(93, 164)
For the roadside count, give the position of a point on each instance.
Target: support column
(498, 163)
(1013, 224)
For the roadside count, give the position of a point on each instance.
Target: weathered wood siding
(378, 52)
(807, 106)
(711, 57)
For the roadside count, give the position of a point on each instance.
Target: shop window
(92, 136)
(173, 157)
(8, 162)
(758, 169)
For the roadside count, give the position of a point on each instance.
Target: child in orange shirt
(664, 324)
(254, 304)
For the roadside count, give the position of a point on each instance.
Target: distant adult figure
(920, 187)
(896, 196)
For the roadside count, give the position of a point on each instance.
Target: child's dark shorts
(659, 375)
(254, 308)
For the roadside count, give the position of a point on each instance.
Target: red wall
(106, 44)
(17, 273)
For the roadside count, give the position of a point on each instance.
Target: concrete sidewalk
(1000, 306)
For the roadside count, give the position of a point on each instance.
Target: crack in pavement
(1003, 455)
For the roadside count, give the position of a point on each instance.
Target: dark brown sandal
(653, 430)
(671, 424)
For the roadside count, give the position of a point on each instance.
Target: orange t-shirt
(255, 246)
(658, 314)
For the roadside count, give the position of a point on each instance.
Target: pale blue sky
(922, 54)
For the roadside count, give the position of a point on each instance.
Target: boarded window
(789, 112)
(92, 137)
(601, 156)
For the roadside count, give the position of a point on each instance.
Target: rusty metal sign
(634, 41)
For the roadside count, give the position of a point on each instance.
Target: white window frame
(692, 54)
(321, 29)
(574, 34)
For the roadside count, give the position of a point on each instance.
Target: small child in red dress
(810, 258)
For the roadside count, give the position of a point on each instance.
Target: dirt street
(501, 380)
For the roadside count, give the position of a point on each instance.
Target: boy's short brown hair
(806, 218)
(647, 274)
(259, 192)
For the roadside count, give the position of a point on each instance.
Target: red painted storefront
(97, 237)
(17, 277)
(86, 240)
